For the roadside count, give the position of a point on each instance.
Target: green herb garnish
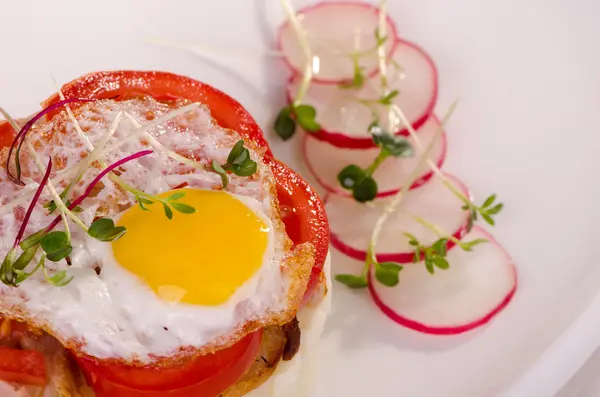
(487, 210)
(360, 181)
(304, 115)
(238, 162)
(104, 229)
(358, 79)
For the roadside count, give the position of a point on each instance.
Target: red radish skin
(352, 223)
(429, 328)
(335, 69)
(324, 162)
(345, 122)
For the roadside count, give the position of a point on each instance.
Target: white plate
(527, 128)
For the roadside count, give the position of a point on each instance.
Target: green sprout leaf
(22, 275)
(396, 146)
(32, 240)
(380, 39)
(496, 209)
(389, 98)
(488, 209)
(219, 170)
(440, 247)
(440, 262)
(183, 208)
(358, 79)
(6, 269)
(387, 273)
(104, 229)
(168, 211)
(365, 190)
(374, 128)
(489, 201)
(238, 162)
(285, 125)
(248, 168)
(236, 152)
(352, 281)
(305, 115)
(468, 245)
(59, 279)
(176, 196)
(429, 265)
(350, 176)
(56, 245)
(25, 258)
(488, 219)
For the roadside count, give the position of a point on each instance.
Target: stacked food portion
(151, 245)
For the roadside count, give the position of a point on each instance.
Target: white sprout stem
(94, 155)
(64, 210)
(154, 123)
(382, 28)
(82, 134)
(436, 170)
(395, 203)
(59, 203)
(308, 68)
(159, 146)
(205, 50)
(435, 229)
(23, 197)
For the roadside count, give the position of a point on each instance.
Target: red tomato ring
(203, 376)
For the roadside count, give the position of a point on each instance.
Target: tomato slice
(22, 366)
(7, 134)
(162, 85)
(205, 376)
(303, 214)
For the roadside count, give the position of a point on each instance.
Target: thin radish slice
(351, 222)
(335, 31)
(476, 287)
(345, 121)
(325, 161)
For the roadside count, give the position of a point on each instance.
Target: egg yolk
(200, 258)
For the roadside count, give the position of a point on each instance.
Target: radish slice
(334, 31)
(476, 287)
(345, 121)
(325, 162)
(352, 223)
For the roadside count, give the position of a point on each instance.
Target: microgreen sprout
(304, 115)
(20, 138)
(59, 279)
(358, 80)
(56, 245)
(238, 162)
(360, 181)
(104, 229)
(487, 210)
(51, 205)
(169, 204)
(297, 112)
(464, 245)
(7, 274)
(387, 273)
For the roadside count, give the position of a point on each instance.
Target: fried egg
(166, 288)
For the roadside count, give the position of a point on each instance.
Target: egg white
(115, 314)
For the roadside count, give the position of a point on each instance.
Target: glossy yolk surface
(199, 258)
